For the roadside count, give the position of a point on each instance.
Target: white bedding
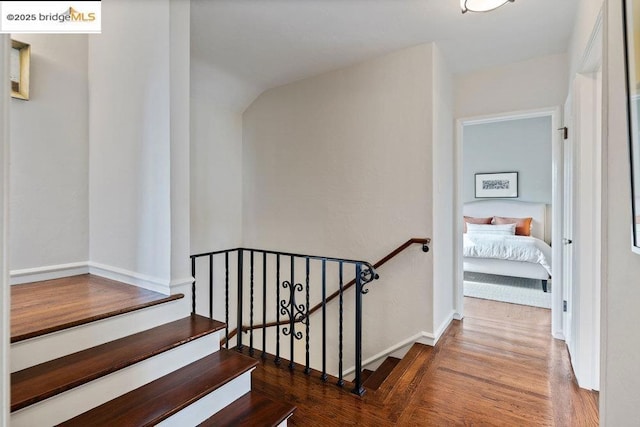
(512, 248)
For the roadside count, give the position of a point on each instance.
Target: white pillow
(501, 229)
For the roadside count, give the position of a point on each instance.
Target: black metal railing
(279, 294)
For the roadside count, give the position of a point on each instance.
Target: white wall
(216, 177)
(620, 378)
(5, 293)
(340, 165)
(216, 167)
(49, 207)
(519, 145)
(139, 136)
(533, 84)
(443, 246)
(180, 90)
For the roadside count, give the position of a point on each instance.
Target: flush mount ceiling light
(481, 5)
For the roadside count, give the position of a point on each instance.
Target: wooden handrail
(424, 241)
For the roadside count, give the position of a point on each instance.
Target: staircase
(373, 379)
(323, 404)
(125, 356)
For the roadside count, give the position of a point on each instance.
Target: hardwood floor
(43, 307)
(499, 366)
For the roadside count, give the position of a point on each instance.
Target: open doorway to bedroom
(507, 172)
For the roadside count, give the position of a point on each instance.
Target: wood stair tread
(72, 301)
(40, 382)
(252, 409)
(403, 376)
(366, 373)
(159, 399)
(375, 380)
(283, 365)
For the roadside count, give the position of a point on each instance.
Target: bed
(479, 260)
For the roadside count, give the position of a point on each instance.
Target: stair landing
(40, 308)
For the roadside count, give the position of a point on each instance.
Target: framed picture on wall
(19, 69)
(496, 185)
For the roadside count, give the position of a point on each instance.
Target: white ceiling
(267, 43)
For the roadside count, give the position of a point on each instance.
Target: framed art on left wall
(19, 69)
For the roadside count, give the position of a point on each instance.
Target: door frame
(555, 113)
(586, 88)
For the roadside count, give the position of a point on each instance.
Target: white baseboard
(48, 272)
(402, 347)
(444, 325)
(130, 277)
(397, 350)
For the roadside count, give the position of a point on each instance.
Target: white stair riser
(34, 351)
(210, 404)
(80, 399)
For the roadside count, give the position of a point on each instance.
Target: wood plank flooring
(43, 307)
(499, 366)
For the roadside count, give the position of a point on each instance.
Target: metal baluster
(193, 285)
(264, 305)
(240, 277)
(358, 389)
(226, 298)
(251, 308)
(341, 305)
(324, 320)
(307, 369)
(277, 359)
(210, 286)
(292, 305)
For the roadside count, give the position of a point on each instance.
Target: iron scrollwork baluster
(294, 311)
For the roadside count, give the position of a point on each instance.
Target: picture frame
(19, 69)
(632, 69)
(496, 185)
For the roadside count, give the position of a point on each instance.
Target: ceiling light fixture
(481, 5)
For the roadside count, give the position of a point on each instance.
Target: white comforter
(513, 248)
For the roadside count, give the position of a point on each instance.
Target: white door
(568, 155)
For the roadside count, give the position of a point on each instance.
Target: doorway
(529, 196)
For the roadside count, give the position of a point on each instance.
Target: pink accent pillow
(474, 220)
(523, 225)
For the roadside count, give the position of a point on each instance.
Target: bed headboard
(513, 209)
